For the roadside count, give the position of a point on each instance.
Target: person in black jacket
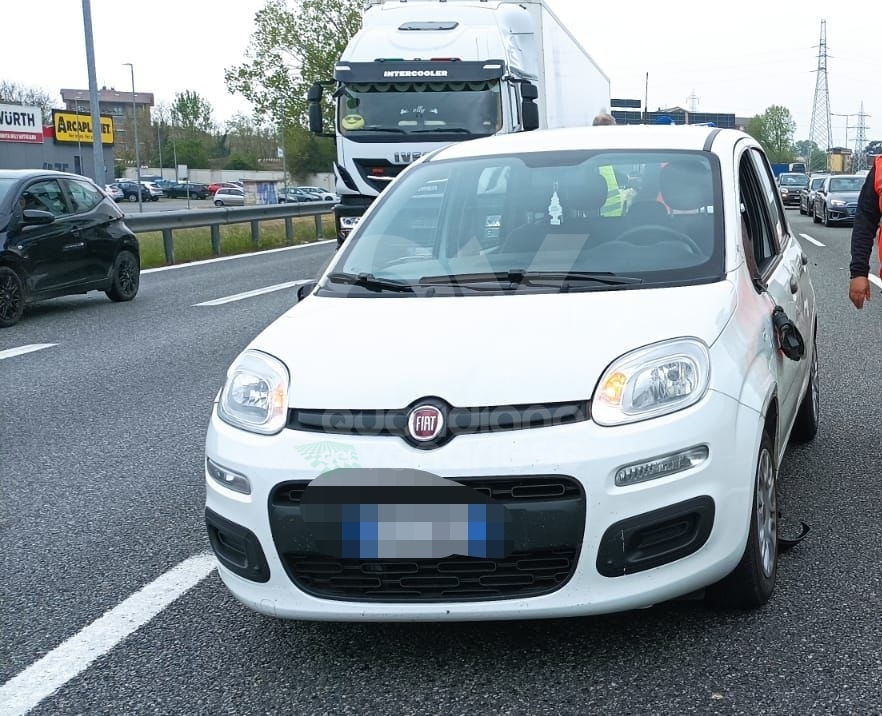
(866, 226)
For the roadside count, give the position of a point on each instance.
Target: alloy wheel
(766, 514)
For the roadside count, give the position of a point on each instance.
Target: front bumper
(584, 547)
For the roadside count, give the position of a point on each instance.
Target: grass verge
(195, 244)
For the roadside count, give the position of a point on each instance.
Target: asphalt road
(102, 493)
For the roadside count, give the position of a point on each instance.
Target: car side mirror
(305, 289)
(37, 216)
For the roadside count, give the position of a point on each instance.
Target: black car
(60, 234)
(131, 190)
(183, 189)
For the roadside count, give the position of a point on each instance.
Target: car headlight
(837, 202)
(652, 381)
(255, 395)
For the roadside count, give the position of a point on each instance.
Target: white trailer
(420, 74)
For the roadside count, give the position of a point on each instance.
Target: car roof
(664, 137)
(33, 173)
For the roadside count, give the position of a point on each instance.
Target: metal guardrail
(168, 221)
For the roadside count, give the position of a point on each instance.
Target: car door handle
(794, 284)
(74, 247)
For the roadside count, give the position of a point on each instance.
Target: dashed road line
(813, 240)
(44, 677)
(21, 350)
(249, 294)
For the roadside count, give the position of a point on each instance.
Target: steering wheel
(650, 235)
(353, 121)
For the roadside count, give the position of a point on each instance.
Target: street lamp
(135, 122)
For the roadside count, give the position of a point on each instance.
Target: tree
(289, 50)
(14, 93)
(774, 130)
(193, 112)
(806, 148)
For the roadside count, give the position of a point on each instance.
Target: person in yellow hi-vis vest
(615, 204)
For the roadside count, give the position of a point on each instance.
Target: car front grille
(525, 574)
(548, 519)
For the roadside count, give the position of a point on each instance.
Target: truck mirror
(314, 97)
(529, 111)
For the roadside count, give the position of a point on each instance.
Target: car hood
(379, 352)
(843, 195)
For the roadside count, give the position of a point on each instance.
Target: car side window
(46, 195)
(757, 231)
(772, 197)
(83, 195)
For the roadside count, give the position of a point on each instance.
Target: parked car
(836, 200)
(789, 186)
(153, 189)
(581, 413)
(114, 192)
(290, 194)
(61, 234)
(228, 196)
(181, 190)
(807, 194)
(132, 190)
(323, 194)
(214, 186)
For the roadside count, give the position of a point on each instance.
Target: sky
(736, 58)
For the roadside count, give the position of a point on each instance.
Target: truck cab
(423, 74)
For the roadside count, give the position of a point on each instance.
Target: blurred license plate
(422, 531)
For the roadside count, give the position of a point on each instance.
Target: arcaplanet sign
(73, 127)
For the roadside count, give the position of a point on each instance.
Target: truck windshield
(470, 109)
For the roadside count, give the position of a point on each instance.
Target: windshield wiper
(441, 130)
(371, 282)
(530, 278)
(395, 130)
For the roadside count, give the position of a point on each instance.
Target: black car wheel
(12, 298)
(131, 197)
(126, 277)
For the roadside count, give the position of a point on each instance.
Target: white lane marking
(235, 256)
(875, 279)
(813, 240)
(249, 294)
(44, 677)
(21, 350)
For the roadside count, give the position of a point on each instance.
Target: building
(66, 145)
(117, 105)
(629, 112)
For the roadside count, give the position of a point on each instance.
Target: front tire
(12, 298)
(126, 277)
(752, 582)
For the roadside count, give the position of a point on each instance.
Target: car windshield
(794, 180)
(566, 220)
(423, 108)
(5, 186)
(846, 184)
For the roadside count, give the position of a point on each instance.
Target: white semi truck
(420, 74)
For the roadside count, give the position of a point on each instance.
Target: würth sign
(19, 123)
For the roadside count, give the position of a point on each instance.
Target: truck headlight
(255, 395)
(652, 381)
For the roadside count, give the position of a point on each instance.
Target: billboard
(20, 123)
(71, 127)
